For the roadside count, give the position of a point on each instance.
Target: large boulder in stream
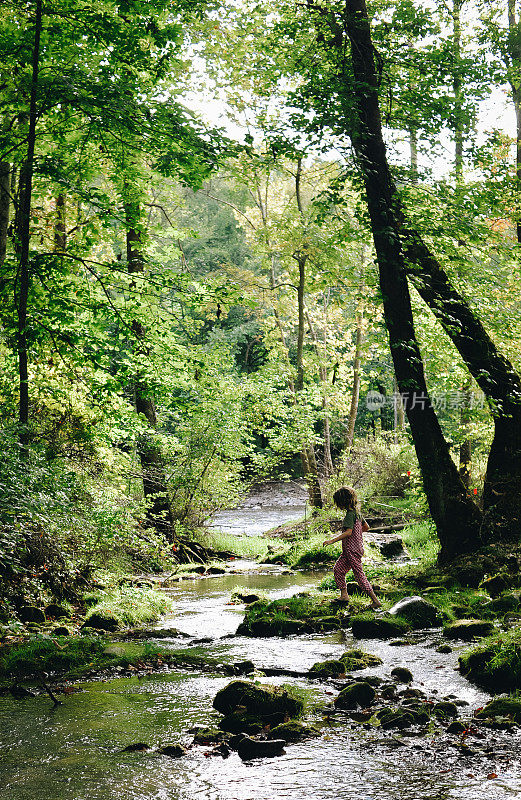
(419, 613)
(266, 702)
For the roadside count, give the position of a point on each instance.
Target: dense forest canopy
(323, 282)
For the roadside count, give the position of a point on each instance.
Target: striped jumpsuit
(352, 552)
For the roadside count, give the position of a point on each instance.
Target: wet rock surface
(417, 611)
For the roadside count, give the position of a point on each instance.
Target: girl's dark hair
(346, 498)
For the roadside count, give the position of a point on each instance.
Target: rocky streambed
(400, 722)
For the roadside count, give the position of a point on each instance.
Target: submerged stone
(360, 693)
(419, 613)
(138, 747)
(468, 629)
(293, 731)
(173, 750)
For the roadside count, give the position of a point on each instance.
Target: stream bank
(78, 750)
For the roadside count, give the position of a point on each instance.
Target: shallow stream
(73, 752)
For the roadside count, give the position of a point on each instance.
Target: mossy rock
(208, 735)
(357, 659)
(402, 674)
(507, 601)
(323, 624)
(56, 611)
(468, 629)
(419, 613)
(264, 701)
(248, 748)
(457, 726)
(102, 622)
(501, 707)
(61, 630)
(32, 614)
(497, 584)
(293, 731)
(402, 717)
(357, 694)
(173, 750)
(243, 722)
(327, 669)
(383, 627)
(445, 709)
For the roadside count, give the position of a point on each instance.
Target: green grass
(496, 662)
(421, 542)
(45, 654)
(130, 606)
(243, 546)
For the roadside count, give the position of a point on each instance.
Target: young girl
(352, 546)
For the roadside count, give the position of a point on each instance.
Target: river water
(73, 752)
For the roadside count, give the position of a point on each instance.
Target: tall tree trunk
(60, 224)
(155, 487)
(23, 236)
(5, 193)
(456, 517)
(357, 362)
(457, 89)
(312, 476)
(322, 372)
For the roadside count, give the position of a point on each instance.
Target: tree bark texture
(155, 487)
(23, 235)
(456, 517)
(5, 194)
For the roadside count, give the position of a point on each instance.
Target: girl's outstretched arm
(338, 538)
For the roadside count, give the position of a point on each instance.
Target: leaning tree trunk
(456, 517)
(155, 489)
(492, 371)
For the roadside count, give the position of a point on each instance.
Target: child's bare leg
(376, 602)
(361, 579)
(339, 572)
